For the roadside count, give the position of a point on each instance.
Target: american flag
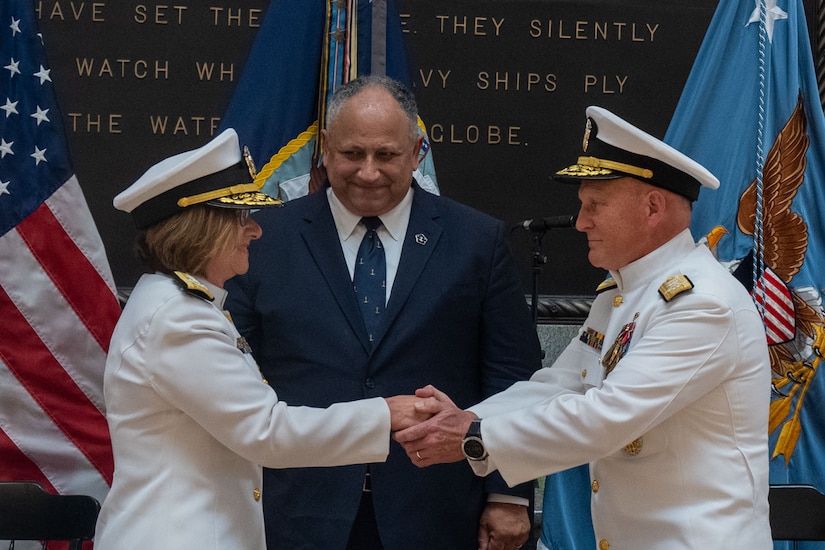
(58, 303)
(775, 304)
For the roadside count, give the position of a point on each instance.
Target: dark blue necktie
(370, 277)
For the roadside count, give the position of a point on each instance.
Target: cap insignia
(183, 202)
(587, 128)
(611, 165)
(252, 199)
(582, 171)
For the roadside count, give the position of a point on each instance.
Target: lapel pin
(421, 238)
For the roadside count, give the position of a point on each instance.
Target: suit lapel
(423, 234)
(321, 238)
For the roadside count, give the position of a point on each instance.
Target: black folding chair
(27, 512)
(797, 513)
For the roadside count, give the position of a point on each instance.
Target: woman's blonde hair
(188, 241)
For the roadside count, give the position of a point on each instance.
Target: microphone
(553, 222)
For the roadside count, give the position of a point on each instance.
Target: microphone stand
(539, 259)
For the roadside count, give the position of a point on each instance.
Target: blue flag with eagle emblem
(750, 112)
(302, 52)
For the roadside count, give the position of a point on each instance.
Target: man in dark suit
(453, 315)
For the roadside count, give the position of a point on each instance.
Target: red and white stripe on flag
(774, 302)
(59, 308)
(58, 305)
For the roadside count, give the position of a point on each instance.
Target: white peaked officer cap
(217, 174)
(617, 149)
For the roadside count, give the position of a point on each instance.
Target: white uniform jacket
(191, 420)
(677, 434)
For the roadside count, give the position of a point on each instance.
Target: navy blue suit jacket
(457, 318)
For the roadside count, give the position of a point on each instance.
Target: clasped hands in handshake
(429, 426)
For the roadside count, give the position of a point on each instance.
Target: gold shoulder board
(674, 286)
(192, 285)
(607, 284)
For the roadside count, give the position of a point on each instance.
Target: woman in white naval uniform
(666, 387)
(191, 418)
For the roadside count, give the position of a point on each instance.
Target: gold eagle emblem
(784, 243)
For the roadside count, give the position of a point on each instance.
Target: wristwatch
(472, 445)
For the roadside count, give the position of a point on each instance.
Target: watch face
(473, 448)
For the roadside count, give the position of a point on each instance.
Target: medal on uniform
(592, 338)
(243, 345)
(611, 359)
(619, 348)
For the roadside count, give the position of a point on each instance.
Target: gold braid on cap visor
(183, 202)
(619, 166)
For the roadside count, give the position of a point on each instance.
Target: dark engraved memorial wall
(502, 87)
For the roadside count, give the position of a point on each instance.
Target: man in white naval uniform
(665, 389)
